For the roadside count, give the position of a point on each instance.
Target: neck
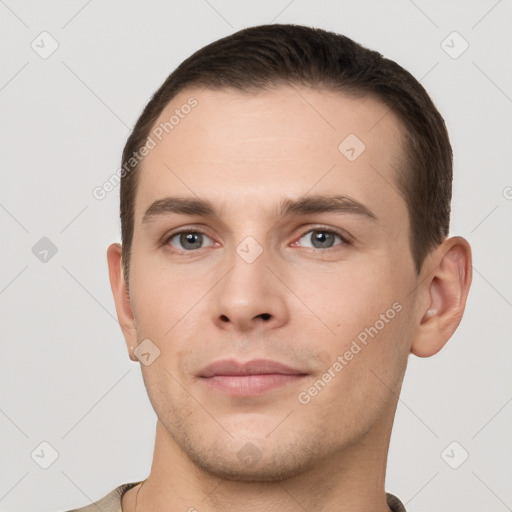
(349, 481)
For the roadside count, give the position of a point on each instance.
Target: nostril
(265, 316)
(224, 318)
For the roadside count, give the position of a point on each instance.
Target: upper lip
(254, 367)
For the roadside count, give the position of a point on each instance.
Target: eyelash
(344, 237)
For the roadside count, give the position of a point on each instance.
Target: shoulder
(394, 503)
(109, 503)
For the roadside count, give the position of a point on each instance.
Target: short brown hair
(266, 56)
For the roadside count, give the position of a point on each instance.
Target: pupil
(324, 239)
(191, 239)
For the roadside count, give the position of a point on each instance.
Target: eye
(321, 239)
(188, 240)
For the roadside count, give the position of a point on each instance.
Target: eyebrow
(312, 204)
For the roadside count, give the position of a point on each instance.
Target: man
(285, 203)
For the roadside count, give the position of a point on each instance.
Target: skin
(296, 304)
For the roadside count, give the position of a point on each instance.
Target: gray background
(66, 378)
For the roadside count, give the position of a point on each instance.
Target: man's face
(307, 289)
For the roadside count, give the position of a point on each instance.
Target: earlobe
(121, 297)
(447, 284)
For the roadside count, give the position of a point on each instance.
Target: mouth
(250, 378)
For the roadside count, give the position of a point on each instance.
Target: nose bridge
(250, 294)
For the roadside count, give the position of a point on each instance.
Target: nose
(250, 297)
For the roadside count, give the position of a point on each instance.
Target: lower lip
(248, 385)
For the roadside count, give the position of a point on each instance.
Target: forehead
(257, 148)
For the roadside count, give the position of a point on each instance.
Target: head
(310, 181)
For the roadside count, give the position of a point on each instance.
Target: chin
(247, 463)
(269, 471)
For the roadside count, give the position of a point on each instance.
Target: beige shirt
(112, 501)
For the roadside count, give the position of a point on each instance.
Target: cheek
(166, 378)
(347, 299)
(362, 318)
(163, 297)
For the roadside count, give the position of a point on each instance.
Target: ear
(122, 298)
(446, 285)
